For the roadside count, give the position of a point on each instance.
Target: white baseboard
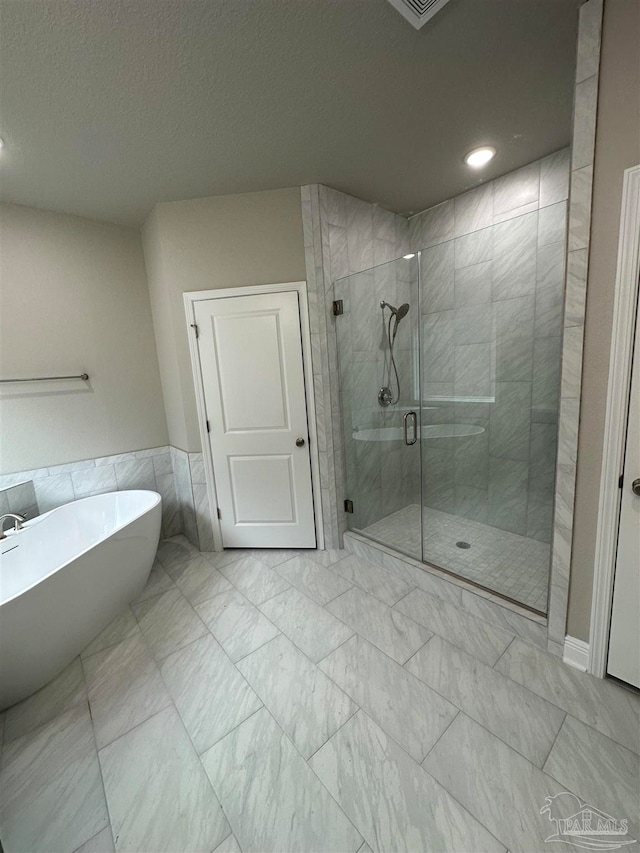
(576, 653)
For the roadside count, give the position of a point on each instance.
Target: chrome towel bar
(83, 376)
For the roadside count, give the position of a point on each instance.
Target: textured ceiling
(109, 106)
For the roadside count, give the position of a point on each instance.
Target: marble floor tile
(310, 627)
(100, 843)
(372, 578)
(121, 628)
(125, 688)
(168, 622)
(254, 579)
(313, 579)
(414, 715)
(391, 631)
(511, 712)
(173, 553)
(306, 704)
(223, 558)
(503, 790)
(602, 771)
(490, 761)
(60, 694)
(199, 580)
(158, 794)
(270, 556)
(329, 557)
(506, 619)
(431, 583)
(597, 702)
(158, 581)
(507, 563)
(393, 802)
(236, 624)
(272, 798)
(475, 636)
(211, 696)
(51, 795)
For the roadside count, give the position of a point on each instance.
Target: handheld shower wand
(385, 394)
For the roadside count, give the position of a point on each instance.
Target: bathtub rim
(28, 525)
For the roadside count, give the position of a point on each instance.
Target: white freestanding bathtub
(64, 577)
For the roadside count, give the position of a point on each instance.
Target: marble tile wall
(191, 489)
(492, 279)
(201, 506)
(40, 490)
(184, 493)
(342, 235)
(584, 126)
(473, 332)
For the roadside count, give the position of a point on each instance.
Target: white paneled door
(253, 376)
(624, 638)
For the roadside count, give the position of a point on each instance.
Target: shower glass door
(491, 323)
(449, 366)
(379, 368)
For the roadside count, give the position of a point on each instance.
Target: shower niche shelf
(426, 432)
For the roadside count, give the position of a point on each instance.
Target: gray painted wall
(74, 298)
(205, 244)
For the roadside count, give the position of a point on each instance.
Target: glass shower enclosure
(449, 366)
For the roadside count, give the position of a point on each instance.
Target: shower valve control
(299, 442)
(385, 396)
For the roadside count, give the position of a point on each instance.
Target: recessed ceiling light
(480, 156)
(408, 257)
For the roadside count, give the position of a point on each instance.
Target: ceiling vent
(418, 12)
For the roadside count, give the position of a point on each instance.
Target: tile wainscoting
(21, 499)
(191, 490)
(176, 475)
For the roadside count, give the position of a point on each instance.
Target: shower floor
(507, 563)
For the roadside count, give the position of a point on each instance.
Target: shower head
(399, 313)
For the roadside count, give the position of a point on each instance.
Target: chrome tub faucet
(19, 519)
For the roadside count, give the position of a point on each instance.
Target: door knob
(299, 442)
(635, 487)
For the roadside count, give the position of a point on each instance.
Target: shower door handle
(405, 428)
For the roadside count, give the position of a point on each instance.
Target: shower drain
(462, 545)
